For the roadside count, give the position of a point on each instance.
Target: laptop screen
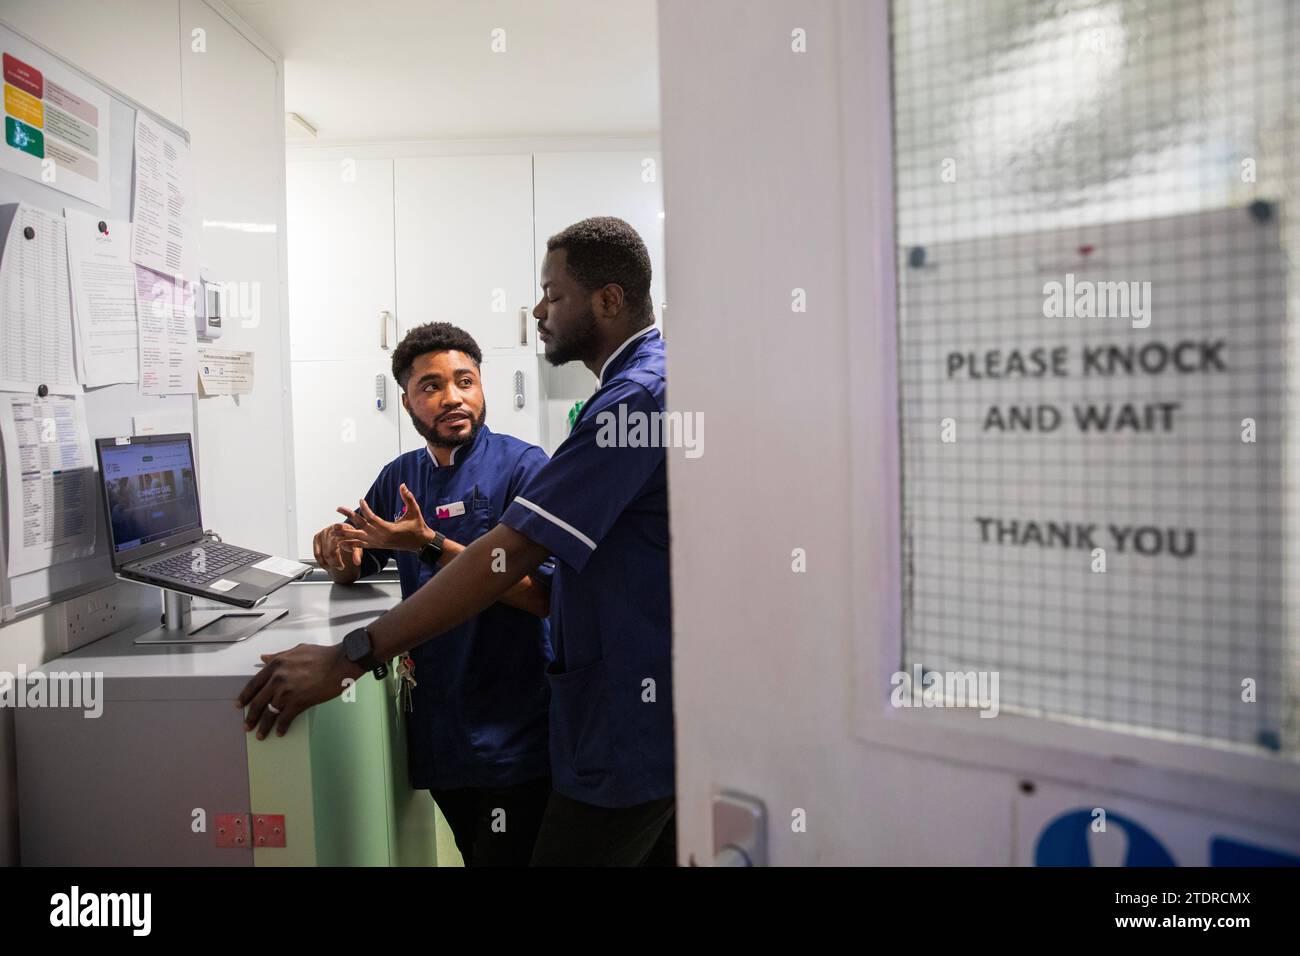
(150, 491)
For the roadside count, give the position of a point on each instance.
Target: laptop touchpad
(258, 578)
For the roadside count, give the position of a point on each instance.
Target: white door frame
(1230, 780)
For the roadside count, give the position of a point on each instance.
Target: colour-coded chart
(55, 123)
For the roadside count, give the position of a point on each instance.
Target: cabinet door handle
(383, 329)
(523, 325)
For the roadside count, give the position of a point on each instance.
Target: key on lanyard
(406, 671)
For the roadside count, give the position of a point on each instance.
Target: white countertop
(319, 613)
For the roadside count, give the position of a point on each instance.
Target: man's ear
(406, 402)
(611, 300)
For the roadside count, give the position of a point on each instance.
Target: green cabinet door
(339, 777)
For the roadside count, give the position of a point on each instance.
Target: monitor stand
(180, 625)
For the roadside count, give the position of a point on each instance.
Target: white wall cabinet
(464, 234)
(571, 186)
(464, 228)
(340, 257)
(342, 331)
(341, 437)
(433, 238)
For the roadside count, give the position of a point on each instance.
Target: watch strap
(368, 661)
(432, 550)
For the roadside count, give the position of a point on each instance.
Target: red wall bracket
(233, 831)
(268, 830)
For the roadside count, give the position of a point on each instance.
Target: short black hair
(605, 249)
(432, 337)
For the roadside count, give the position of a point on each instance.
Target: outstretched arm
(410, 532)
(309, 674)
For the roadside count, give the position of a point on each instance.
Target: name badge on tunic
(451, 510)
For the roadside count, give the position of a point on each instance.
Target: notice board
(1094, 428)
(111, 410)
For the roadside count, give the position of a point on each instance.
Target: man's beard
(577, 344)
(430, 432)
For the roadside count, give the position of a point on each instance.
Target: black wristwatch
(360, 650)
(432, 550)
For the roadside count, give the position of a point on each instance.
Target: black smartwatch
(432, 550)
(360, 650)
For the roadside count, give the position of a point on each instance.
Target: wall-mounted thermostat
(209, 306)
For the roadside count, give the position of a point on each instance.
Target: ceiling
(402, 70)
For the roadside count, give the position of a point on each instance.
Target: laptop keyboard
(217, 560)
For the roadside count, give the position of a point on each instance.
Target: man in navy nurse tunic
(477, 704)
(600, 507)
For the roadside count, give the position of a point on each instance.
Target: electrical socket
(89, 617)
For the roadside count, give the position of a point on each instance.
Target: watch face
(356, 645)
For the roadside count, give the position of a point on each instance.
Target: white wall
(770, 157)
(234, 111)
(232, 103)
(101, 39)
(753, 203)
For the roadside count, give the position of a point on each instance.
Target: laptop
(155, 526)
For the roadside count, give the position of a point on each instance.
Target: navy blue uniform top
(601, 506)
(479, 707)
